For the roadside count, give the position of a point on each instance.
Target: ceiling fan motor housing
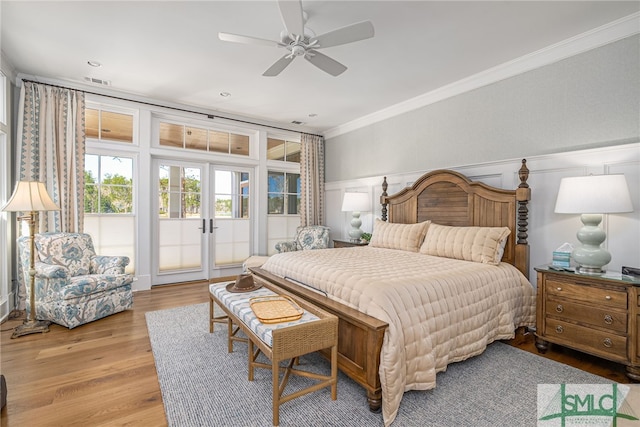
(298, 50)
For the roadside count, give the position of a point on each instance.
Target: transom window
(108, 125)
(280, 149)
(284, 193)
(196, 138)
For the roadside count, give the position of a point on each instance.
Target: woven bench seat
(286, 341)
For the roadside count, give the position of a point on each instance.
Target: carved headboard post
(383, 199)
(523, 195)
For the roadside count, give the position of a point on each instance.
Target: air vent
(297, 122)
(97, 81)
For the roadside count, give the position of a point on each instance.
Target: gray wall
(586, 101)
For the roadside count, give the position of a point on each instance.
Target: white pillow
(478, 244)
(406, 237)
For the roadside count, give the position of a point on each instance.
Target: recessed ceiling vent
(297, 122)
(97, 81)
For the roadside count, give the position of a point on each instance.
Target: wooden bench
(316, 330)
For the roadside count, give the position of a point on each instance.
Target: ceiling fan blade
(278, 66)
(325, 63)
(236, 38)
(291, 13)
(350, 33)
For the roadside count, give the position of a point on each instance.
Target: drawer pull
(608, 297)
(608, 319)
(607, 342)
(559, 329)
(558, 288)
(559, 308)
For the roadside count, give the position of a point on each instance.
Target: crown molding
(609, 33)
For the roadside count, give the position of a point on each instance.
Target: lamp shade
(356, 202)
(30, 196)
(594, 194)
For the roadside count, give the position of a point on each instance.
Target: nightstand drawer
(600, 317)
(609, 345)
(589, 294)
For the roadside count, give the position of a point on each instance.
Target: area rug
(204, 385)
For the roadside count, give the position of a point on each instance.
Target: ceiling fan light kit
(302, 41)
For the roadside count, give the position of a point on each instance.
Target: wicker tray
(275, 309)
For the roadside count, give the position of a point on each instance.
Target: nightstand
(596, 314)
(339, 243)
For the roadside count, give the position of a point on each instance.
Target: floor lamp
(30, 197)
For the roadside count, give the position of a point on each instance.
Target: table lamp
(30, 197)
(591, 196)
(355, 203)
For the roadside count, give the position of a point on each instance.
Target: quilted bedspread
(439, 310)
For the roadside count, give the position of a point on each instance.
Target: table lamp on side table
(591, 196)
(30, 197)
(355, 203)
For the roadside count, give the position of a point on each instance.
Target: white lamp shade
(594, 194)
(356, 202)
(30, 196)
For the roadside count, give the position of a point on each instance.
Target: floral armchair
(73, 285)
(307, 237)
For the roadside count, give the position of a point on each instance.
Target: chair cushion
(71, 250)
(81, 286)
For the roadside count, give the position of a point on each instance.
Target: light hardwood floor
(103, 373)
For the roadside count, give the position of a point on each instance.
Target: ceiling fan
(299, 40)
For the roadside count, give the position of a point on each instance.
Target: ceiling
(169, 50)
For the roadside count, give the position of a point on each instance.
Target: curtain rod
(209, 116)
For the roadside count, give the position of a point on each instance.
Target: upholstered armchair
(307, 237)
(73, 285)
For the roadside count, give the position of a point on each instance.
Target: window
(179, 192)
(108, 125)
(232, 194)
(195, 138)
(108, 184)
(280, 149)
(284, 193)
(3, 98)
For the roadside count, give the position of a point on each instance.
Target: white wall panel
(547, 230)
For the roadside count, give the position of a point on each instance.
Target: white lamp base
(590, 257)
(355, 233)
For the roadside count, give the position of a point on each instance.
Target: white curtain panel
(51, 137)
(312, 180)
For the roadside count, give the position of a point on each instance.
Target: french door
(203, 220)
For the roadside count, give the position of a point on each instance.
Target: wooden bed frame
(444, 197)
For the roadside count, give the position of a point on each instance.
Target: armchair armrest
(109, 264)
(50, 271)
(286, 246)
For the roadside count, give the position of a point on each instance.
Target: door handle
(211, 227)
(204, 226)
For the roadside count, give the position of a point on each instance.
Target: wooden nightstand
(339, 243)
(596, 314)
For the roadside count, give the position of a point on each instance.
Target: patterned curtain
(51, 137)
(312, 180)
(52, 146)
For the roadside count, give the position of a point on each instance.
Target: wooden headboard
(449, 198)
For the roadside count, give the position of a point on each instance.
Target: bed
(445, 274)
